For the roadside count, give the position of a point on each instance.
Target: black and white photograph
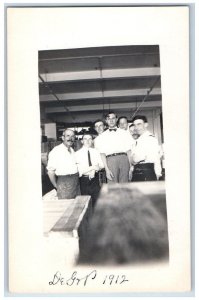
(98, 150)
(102, 129)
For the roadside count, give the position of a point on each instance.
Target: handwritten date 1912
(75, 279)
(112, 279)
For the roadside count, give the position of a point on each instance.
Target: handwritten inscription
(73, 279)
(112, 279)
(76, 279)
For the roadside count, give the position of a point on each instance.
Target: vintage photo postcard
(98, 150)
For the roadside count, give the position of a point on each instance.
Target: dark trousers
(144, 172)
(102, 177)
(90, 187)
(68, 186)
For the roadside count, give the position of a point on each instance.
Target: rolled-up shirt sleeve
(157, 160)
(51, 165)
(152, 154)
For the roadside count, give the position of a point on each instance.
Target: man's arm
(85, 170)
(129, 155)
(109, 174)
(157, 161)
(158, 168)
(52, 178)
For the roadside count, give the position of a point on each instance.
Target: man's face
(99, 127)
(87, 141)
(133, 132)
(68, 138)
(140, 126)
(123, 124)
(111, 120)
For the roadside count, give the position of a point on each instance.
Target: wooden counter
(66, 221)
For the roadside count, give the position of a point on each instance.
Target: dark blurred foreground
(129, 225)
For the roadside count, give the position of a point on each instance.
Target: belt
(115, 154)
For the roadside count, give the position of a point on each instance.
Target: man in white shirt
(100, 127)
(123, 123)
(89, 163)
(145, 154)
(62, 167)
(115, 148)
(133, 133)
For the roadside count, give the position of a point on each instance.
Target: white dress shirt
(146, 150)
(114, 141)
(82, 159)
(61, 161)
(98, 142)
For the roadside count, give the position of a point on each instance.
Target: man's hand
(109, 174)
(96, 168)
(131, 173)
(52, 178)
(91, 174)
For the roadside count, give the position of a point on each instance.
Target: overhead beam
(97, 51)
(126, 99)
(96, 107)
(98, 94)
(95, 74)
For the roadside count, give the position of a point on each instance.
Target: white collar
(146, 133)
(71, 149)
(86, 148)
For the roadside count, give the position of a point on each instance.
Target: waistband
(115, 154)
(75, 174)
(144, 166)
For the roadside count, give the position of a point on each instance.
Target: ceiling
(80, 85)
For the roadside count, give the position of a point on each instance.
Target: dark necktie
(114, 129)
(89, 159)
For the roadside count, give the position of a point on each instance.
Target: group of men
(124, 153)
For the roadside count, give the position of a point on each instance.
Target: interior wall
(153, 117)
